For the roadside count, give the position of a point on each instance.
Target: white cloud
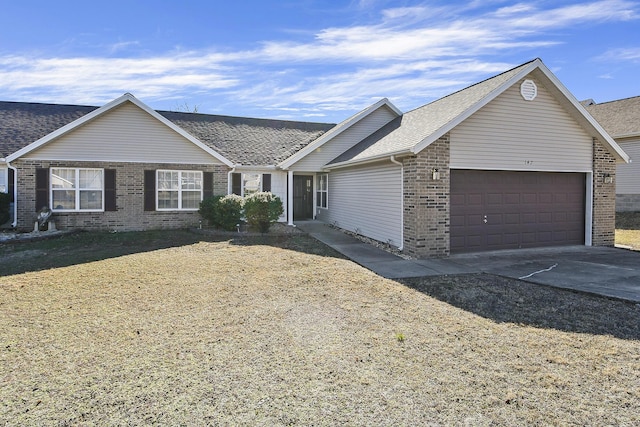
(622, 55)
(408, 55)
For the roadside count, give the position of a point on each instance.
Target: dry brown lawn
(628, 229)
(187, 330)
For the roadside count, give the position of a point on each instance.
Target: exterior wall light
(607, 178)
(435, 174)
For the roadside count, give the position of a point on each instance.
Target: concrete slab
(612, 272)
(400, 269)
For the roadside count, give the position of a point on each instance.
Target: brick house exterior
(390, 178)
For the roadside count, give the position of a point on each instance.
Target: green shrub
(262, 209)
(5, 203)
(222, 211)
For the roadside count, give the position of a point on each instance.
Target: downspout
(15, 194)
(394, 161)
(229, 183)
(290, 198)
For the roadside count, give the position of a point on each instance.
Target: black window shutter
(236, 183)
(11, 188)
(207, 185)
(42, 188)
(266, 182)
(110, 190)
(150, 190)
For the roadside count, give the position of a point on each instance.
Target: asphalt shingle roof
(249, 141)
(618, 118)
(416, 125)
(22, 123)
(242, 140)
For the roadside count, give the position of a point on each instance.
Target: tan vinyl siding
(314, 161)
(367, 200)
(628, 175)
(513, 134)
(125, 134)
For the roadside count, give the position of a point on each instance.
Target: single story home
(514, 161)
(621, 120)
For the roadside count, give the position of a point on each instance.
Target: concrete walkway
(610, 272)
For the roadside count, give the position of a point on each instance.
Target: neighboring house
(511, 162)
(621, 119)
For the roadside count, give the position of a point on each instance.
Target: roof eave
(372, 159)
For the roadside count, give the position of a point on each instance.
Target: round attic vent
(528, 90)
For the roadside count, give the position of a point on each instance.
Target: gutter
(15, 194)
(373, 159)
(394, 161)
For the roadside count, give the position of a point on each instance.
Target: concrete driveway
(611, 272)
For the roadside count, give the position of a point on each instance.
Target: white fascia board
(626, 135)
(475, 107)
(343, 126)
(102, 110)
(255, 167)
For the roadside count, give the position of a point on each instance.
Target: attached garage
(493, 210)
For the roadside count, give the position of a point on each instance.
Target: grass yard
(628, 229)
(177, 328)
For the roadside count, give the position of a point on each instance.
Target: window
(77, 189)
(179, 190)
(322, 193)
(244, 184)
(250, 183)
(3, 180)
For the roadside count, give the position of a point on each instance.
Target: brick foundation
(130, 214)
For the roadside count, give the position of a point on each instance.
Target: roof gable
(424, 125)
(337, 130)
(96, 113)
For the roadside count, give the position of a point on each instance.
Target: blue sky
(312, 60)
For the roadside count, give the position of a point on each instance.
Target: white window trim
(179, 190)
(319, 190)
(76, 189)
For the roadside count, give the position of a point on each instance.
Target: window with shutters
(244, 184)
(76, 189)
(322, 193)
(178, 190)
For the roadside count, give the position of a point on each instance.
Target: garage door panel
(503, 209)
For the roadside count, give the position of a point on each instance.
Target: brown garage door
(509, 210)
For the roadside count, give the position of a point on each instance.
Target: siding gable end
(123, 134)
(515, 134)
(337, 145)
